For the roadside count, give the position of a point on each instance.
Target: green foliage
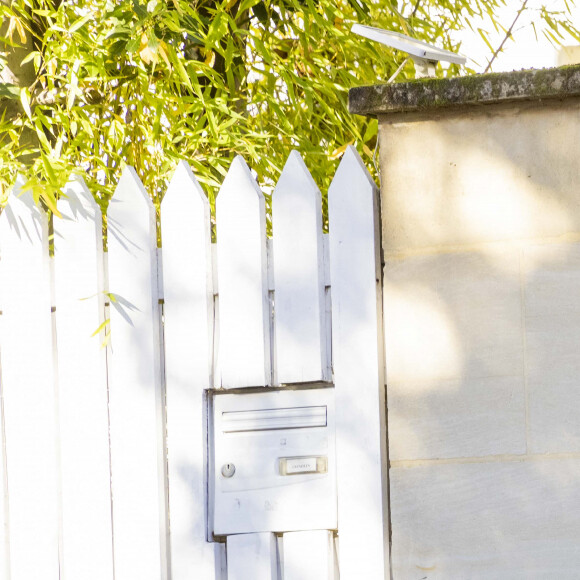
(149, 83)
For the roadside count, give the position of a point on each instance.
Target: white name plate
(301, 465)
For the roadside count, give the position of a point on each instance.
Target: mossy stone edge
(482, 89)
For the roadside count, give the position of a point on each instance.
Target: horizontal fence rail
(108, 359)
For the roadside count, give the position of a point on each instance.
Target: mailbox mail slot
(273, 465)
(270, 419)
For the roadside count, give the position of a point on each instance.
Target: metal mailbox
(273, 465)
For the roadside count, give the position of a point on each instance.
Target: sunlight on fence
(106, 463)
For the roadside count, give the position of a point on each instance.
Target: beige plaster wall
(481, 241)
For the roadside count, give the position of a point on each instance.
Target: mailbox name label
(301, 465)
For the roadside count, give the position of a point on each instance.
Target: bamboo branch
(415, 9)
(508, 34)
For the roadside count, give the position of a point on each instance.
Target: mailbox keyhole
(228, 469)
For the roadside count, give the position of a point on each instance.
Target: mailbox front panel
(274, 461)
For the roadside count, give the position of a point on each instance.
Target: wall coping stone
(482, 89)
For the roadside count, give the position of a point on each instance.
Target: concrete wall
(481, 240)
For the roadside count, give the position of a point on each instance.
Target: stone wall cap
(481, 89)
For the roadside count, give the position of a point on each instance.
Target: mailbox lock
(228, 469)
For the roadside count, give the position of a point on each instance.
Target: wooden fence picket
(358, 371)
(298, 276)
(242, 280)
(308, 555)
(106, 458)
(4, 548)
(136, 398)
(188, 338)
(252, 556)
(28, 390)
(82, 382)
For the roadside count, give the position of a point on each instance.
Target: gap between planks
(408, 463)
(271, 280)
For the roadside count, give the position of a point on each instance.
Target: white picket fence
(104, 455)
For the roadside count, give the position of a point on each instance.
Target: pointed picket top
(240, 182)
(188, 337)
(358, 371)
(242, 278)
(130, 185)
(130, 191)
(296, 176)
(352, 176)
(136, 400)
(353, 203)
(181, 187)
(353, 212)
(187, 264)
(19, 208)
(78, 205)
(299, 276)
(129, 200)
(78, 199)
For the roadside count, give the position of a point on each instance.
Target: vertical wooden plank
(358, 372)
(28, 390)
(4, 547)
(188, 330)
(252, 556)
(243, 286)
(327, 304)
(308, 555)
(82, 379)
(135, 394)
(299, 276)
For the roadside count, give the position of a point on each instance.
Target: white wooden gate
(104, 454)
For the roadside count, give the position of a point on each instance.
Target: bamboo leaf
(9, 91)
(101, 327)
(25, 101)
(80, 23)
